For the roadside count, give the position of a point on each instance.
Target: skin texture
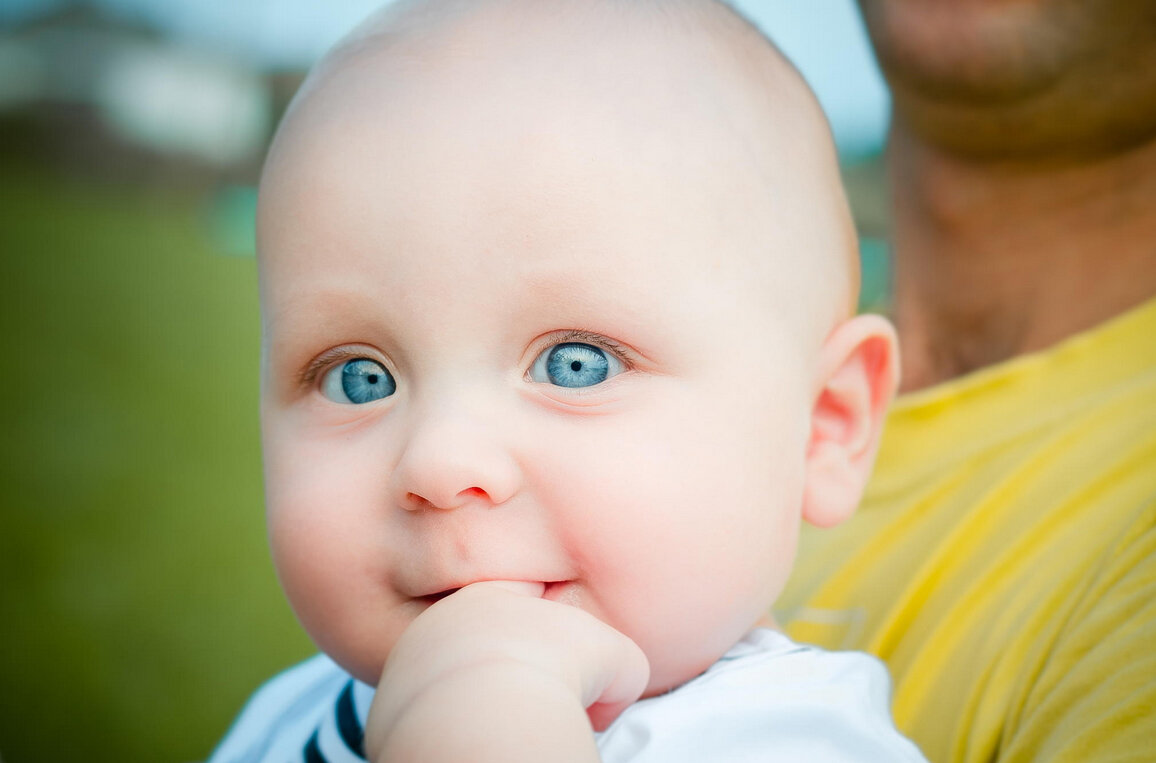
(463, 186)
(1023, 167)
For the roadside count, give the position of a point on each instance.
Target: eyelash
(586, 337)
(332, 357)
(327, 360)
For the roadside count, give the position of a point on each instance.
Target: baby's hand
(495, 660)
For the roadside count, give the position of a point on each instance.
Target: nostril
(415, 501)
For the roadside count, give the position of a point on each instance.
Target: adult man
(1004, 563)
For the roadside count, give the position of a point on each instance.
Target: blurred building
(92, 92)
(89, 87)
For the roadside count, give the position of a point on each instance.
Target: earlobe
(858, 375)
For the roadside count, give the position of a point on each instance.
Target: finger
(626, 679)
(602, 714)
(521, 587)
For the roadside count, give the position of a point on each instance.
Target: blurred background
(138, 605)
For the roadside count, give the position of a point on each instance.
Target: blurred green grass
(139, 607)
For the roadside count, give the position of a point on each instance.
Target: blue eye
(573, 364)
(357, 381)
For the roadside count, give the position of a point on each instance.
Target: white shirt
(767, 699)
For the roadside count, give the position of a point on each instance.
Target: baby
(559, 350)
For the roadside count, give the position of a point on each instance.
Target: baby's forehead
(667, 151)
(686, 68)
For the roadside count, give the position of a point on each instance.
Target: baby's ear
(858, 374)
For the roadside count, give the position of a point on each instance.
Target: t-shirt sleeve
(278, 720)
(1094, 700)
(826, 707)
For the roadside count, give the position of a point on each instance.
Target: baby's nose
(450, 462)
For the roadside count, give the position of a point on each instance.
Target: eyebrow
(305, 319)
(307, 375)
(317, 325)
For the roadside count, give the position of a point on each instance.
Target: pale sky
(824, 38)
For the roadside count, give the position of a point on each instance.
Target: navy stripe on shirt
(348, 729)
(313, 750)
(347, 724)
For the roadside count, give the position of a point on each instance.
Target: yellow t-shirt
(1003, 562)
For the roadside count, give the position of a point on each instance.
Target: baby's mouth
(433, 598)
(551, 590)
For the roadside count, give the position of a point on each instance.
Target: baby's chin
(365, 667)
(665, 677)
(672, 671)
(692, 651)
(362, 651)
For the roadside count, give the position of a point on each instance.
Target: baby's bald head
(676, 113)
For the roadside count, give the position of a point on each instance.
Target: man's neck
(993, 260)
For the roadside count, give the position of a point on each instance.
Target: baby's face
(526, 349)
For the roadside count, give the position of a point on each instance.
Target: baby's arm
(494, 673)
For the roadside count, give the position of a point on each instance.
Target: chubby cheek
(684, 528)
(325, 543)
